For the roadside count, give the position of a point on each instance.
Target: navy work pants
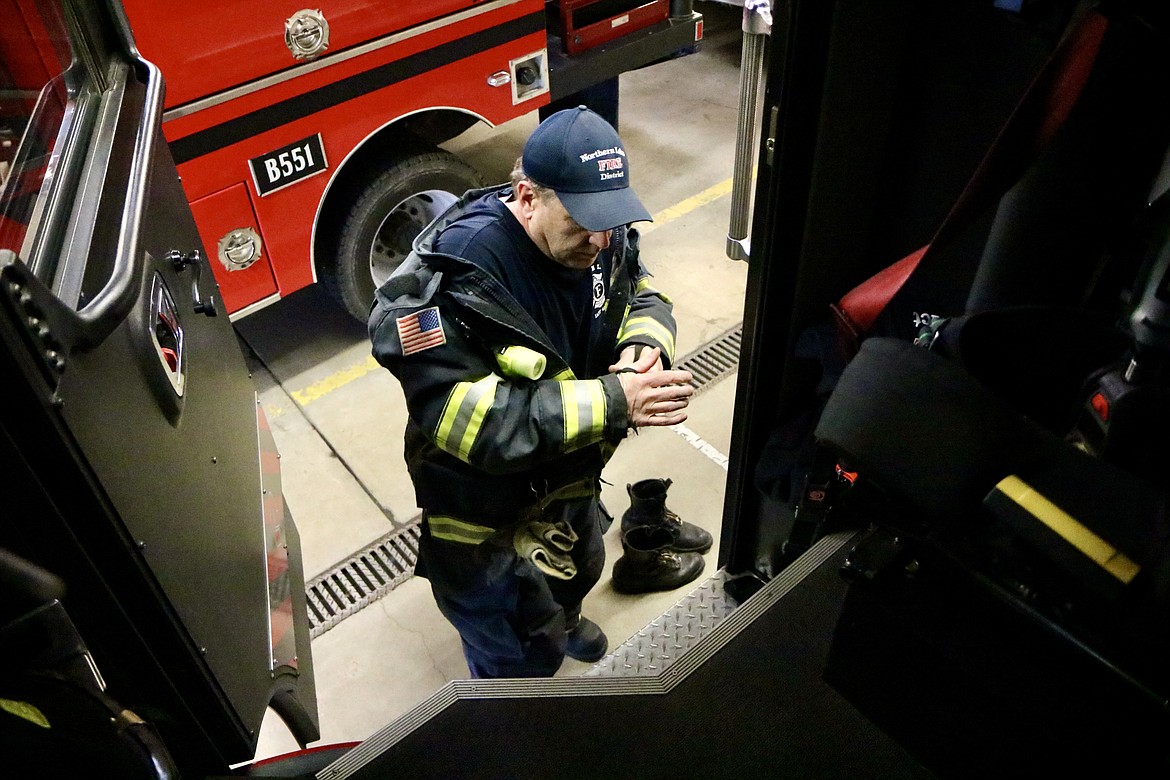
(510, 616)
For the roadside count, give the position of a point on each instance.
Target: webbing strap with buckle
(584, 488)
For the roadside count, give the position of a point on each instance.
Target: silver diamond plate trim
(663, 641)
(366, 576)
(659, 682)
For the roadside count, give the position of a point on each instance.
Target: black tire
(389, 212)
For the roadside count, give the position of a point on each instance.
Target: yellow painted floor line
(685, 207)
(339, 379)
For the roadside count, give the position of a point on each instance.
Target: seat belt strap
(1034, 122)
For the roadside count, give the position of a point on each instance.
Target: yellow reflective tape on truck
(1068, 528)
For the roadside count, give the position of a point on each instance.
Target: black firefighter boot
(648, 507)
(649, 563)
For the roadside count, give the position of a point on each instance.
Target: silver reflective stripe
(583, 407)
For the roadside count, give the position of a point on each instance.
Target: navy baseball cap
(579, 155)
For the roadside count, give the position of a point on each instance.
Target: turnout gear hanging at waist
(537, 508)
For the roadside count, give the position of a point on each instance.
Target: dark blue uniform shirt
(564, 302)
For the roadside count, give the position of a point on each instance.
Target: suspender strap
(615, 309)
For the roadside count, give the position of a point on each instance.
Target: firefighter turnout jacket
(499, 424)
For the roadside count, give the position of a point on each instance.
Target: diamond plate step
(664, 640)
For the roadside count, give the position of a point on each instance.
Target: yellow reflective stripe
(583, 409)
(644, 286)
(463, 415)
(454, 530)
(480, 410)
(565, 375)
(648, 326)
(1097, 549)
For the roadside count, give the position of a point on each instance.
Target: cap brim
(596, 211)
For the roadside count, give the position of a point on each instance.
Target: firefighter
(529, 341)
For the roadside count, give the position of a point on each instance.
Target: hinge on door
(770, 139)
(33, 309)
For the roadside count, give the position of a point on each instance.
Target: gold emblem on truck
(306, 34)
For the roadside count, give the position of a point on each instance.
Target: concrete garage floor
(338, 418)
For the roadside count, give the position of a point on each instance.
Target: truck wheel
(389, 213)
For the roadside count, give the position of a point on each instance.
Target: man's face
(555, 232)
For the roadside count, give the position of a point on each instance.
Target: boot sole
(588, 658)
(634, 590)
(700, 550)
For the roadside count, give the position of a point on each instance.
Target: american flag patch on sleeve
(421, 330)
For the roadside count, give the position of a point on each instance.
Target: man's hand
(654, 397)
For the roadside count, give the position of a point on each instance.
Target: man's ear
(525, 197)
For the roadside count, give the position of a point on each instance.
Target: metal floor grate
(381, 566)
(366, 576)
(715, 359)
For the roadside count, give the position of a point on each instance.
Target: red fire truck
(308, 140)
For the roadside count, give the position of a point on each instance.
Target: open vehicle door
(918, 614)
(138, 467)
